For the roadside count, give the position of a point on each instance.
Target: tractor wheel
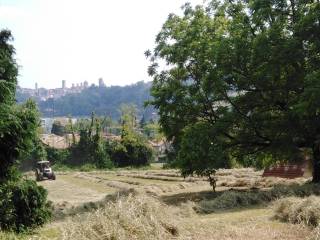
(53, 177)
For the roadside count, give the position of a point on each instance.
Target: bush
(87, 167)
(130, 152)
(57, 155)
(36, 152)
(91, 148)
(23, 205)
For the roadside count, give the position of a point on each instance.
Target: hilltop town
(43, 94)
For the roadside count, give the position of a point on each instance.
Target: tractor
(43, 170)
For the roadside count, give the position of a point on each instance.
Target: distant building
(44, 94)
(101, 82)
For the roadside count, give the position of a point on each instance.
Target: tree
(18, 124)
(128, 115)
(91, 148)
(23, 204)
(132, 150)
(249, 71)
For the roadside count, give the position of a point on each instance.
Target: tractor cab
(44, 170)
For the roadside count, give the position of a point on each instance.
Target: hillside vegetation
(104, 101)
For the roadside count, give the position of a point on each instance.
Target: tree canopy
(247, 70)
(18, 124)
(23, 204)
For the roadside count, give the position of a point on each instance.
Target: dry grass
(299, 210)
(246, 198)
(83, 214)
(131, 217)
(160, 204)
(250, 178)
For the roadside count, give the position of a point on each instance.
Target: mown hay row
(132, 217)
(299, 210)
(235, 199)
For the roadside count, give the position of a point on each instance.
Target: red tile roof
(286, 170)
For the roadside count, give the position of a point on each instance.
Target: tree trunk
(316, 162)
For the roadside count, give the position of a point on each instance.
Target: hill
(102, 100)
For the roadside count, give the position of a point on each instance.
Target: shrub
(36, 152)
(87, 167)
(297, 210)
(57, 155)
(23, 205)
(131, 151)
(90, 149)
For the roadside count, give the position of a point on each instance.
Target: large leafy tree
(18, 124)
(23, 204)
(249, 71)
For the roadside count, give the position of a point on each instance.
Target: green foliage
(58, 128)
(200, 151)
(132, 150)
(57, 155)
(18, 124)
(23, 205)
(36, 152)
(87, 167)
(91, 148)
(249, 70)
(128, 115)
(260, 161)
(101, 100)
(9, 69)
(152, 131)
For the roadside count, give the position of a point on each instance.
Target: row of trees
(128, 116)
(242, 82)
(130, 150)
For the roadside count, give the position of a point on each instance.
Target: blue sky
(79, 40)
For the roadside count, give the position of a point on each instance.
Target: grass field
(160, 204)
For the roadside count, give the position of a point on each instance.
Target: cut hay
(236, 199)
(299, 210)
(131, 217)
